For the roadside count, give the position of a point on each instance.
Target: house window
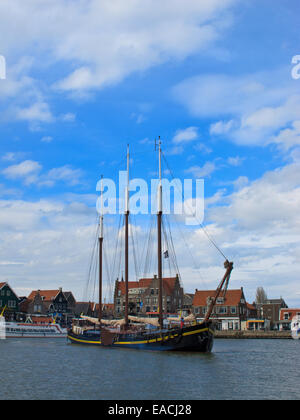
(11, 304)
(152, 291)
(286, 315)
(8, 293)
(233, 309)
(222, 310)
(220, 300)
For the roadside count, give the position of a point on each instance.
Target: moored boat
(26, 330)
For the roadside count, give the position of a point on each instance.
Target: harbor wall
(254, 334)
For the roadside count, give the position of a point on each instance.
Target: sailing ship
(131, 332)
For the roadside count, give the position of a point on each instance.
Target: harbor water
(52, 369)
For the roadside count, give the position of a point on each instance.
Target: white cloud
(68, 117)
(27, 171)
(235, 161)
(103, 42)
(30, 173)
(221, 127)
(66, 174)
(185, 135)
(38, 112)
(9, 156)
(288, 137)
(252, 107)
(202, 171)
(258, 227)
(40, 248)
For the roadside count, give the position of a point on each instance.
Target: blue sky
(212, 78)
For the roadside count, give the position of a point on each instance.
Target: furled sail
(189, 318)
(151, 321)
(116, 322)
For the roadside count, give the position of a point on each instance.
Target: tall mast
(100, 253)
(126, 238)
(159, 251)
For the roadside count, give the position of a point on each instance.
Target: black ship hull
(197, 338)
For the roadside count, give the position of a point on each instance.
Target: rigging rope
(201, 225)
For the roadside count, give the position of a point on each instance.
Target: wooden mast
(126, 239)
(229, 267)
(100, 253)
(159, 248)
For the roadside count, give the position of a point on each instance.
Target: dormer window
(220, 300)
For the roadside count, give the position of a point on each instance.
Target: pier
(254, 334)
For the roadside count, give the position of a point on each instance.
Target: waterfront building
(255, 325)
(285, 317)
(270, 310)
(143, 296)
(229, 312)
(56, 303)
(8, 300)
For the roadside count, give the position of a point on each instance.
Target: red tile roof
(232, 297)
(47, 294)
(41, 319)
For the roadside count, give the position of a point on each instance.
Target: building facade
(270, 310)
(8, 300)
(286, 316)
(143, 296)
(229, 312)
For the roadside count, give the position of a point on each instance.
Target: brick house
(270, 310)
(50, 302)
(143, 296)
(228, 312)
(285, 317)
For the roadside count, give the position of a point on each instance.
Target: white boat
(295, 327)
(23, 330)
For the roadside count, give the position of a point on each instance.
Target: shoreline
(254, 334)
